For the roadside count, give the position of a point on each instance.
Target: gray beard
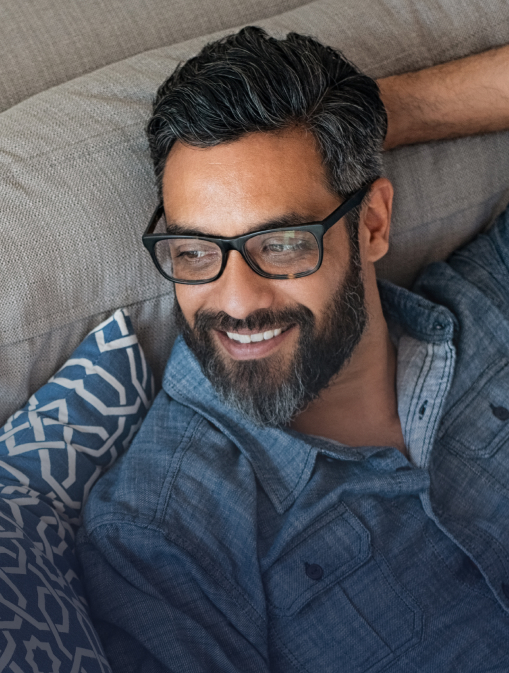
(266, 391)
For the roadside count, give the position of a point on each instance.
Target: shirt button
(438, 325)
(314, 571)
(500, 412)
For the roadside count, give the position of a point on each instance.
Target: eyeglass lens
(277, 253)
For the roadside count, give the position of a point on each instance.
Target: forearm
(463, 97)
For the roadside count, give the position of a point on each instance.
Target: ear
(375, 221)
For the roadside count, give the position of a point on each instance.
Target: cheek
(191, 299)
(314, 291)
(334, 268)
(336, 249)
(324, 284)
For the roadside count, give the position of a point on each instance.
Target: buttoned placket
(425, 371)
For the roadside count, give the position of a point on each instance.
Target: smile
(252, 338)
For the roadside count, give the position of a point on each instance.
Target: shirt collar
(282, 459)
(415, 315)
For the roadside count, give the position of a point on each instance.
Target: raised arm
(459, 98)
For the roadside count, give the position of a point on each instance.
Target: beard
(270, 391)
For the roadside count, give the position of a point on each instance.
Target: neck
(360, 407)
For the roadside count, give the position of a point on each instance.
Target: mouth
(246, 345)
(254, 338)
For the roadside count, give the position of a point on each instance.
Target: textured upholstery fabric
(51, 453)
(48, 42)
(76, 185)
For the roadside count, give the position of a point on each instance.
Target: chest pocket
(333, 606)
(478, 424)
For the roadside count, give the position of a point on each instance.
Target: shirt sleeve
(156, 609)
(484, 263)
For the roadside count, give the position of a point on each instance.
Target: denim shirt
(214, 545)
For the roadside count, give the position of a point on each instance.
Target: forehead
(226, 189)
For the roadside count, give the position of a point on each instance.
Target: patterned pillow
(51, 453)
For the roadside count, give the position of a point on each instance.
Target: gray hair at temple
(251, 82)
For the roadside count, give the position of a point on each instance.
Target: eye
(190, 252)
(284, 252)
(285, 246)
(287, 243)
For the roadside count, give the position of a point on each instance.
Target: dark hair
(251, 82)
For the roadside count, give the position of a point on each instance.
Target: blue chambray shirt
(213, 545)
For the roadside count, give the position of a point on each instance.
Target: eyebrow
(289, 220)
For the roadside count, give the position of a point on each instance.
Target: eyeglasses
(286, 252)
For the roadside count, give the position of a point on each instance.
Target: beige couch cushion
(76, 185)
(46, 42)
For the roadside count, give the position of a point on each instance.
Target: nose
(240, 291)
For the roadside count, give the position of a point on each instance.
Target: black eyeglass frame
(317, 229)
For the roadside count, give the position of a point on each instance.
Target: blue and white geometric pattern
(51, 453)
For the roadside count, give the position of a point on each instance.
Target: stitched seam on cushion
(77, 320)
(65, 149)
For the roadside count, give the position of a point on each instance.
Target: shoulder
(480, 268)
(474, 282)
(183, 495)
(485, 261)
(176, 450)
(474, 285)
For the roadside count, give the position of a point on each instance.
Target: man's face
(268, 346)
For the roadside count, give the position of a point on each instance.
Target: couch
(76, 184)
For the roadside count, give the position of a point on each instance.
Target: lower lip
(253, 350)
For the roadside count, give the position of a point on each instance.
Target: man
(322, 483)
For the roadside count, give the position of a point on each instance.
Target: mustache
(260, 320)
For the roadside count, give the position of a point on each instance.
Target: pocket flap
(478, 424)
(333, 550)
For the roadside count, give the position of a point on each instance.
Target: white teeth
(253, 338)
